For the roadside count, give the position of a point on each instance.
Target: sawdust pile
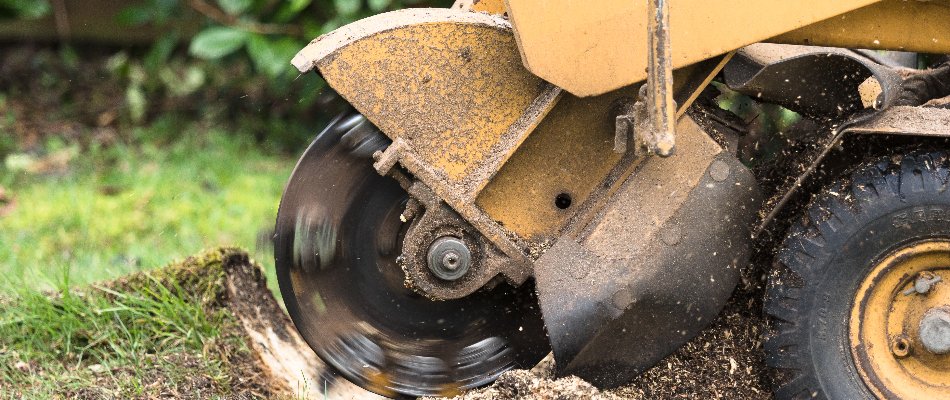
(724, 362)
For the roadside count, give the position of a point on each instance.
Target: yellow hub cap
(899, 322)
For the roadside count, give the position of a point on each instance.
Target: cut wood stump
(293, 368)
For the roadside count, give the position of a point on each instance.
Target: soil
(43, 97)
(248, 383)
(725, 361)
(80, 94)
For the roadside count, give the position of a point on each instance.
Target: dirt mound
(166, 333)
(279, 364)
(724, 362)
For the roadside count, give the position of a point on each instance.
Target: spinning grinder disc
(337, 238)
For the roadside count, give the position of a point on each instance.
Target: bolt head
(449, 258)
(901, 346)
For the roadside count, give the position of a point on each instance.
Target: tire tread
(829, 220)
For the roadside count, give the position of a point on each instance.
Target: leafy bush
(223, 59)
(268, 32)
(24, 9)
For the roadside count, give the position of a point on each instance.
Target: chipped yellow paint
(489, 6)
(449, 83)
(589, 49)
(883, 327)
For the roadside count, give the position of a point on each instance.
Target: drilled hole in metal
(562, 201)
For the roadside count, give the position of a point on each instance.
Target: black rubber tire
(880, 207)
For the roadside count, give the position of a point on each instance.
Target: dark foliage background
(221, 60)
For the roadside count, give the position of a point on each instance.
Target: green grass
(124, 207)
(72, 323)
(146, 336)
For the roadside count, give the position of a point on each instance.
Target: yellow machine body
(448, 86)
(589, 48)
(499, 110)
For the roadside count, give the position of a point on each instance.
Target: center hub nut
(935, 330)
(449, 258)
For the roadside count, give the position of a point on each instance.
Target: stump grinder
(520, 177)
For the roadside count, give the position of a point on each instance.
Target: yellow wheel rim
(894, 358)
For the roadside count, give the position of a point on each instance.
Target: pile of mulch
(725, 361)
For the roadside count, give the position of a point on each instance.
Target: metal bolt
(719, 170)
(924, 282)
(449, 258)
(935, 330)
(901, 346)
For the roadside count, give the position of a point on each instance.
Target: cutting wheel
(338, 236)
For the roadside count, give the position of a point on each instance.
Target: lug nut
(449, 258)
(901, 346)
(935, 330)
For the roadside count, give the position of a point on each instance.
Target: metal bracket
(625, 126)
